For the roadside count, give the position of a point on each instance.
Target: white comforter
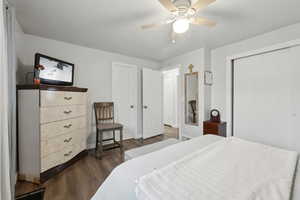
(230, 169)
(121, 183)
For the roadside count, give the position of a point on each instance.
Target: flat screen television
(54, 71)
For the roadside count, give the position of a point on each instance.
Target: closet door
(125, 96)
(262, 98)
(152, 103)
(294, 61)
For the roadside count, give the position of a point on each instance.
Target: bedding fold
(232, 169)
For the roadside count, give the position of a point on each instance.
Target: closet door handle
(67, 112)
(68, 126)
(68, 98)
(145, 107)
(131, 106)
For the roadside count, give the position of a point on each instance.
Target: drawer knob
(67, 154)
(68, 98)
(68, 126)
(67, 111)
(68, 140)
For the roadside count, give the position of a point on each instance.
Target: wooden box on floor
(51, 129)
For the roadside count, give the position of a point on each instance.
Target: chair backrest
(104, 112)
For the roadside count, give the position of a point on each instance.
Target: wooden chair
(193, 108)
(104, 115)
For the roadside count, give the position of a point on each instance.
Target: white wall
(19, 46)
(218, 59)
(199, 59)
(93, 68)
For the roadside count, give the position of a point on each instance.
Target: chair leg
(97, 137)
(114, 134)
(101, 144)
(121, 140)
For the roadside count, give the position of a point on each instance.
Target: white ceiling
(114, 25)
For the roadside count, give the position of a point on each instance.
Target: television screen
(54, 71)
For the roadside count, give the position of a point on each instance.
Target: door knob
(131, 106)
(145, 107)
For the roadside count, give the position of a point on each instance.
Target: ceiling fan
(182, 15)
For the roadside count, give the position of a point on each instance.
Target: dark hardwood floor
(81, 180)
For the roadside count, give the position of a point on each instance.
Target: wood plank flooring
(81, 180)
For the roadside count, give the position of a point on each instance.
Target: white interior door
(152, 103)
(125, 96)
(266, 98)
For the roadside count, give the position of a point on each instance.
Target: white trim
(266, 49)
(229, 61)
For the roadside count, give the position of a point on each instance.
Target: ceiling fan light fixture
(181, 25)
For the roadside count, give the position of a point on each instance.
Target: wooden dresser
(216, 128)
(51, 129)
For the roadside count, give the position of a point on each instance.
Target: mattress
(122, 182)
(232, 168)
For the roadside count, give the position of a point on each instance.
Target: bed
(122, 182)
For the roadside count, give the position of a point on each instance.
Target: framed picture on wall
(208, 78)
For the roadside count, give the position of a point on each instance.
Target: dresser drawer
(56, 144)
(54, 129)
(71, 152)
(51, 114)
(210, 131)
(52, 160)
(60, 157)
(211, 127)
(52, 145)
(60, 98)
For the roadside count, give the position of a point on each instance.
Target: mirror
(191, 99)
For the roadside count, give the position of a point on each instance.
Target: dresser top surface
(51, 88)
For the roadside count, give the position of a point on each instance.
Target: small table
(215, 128)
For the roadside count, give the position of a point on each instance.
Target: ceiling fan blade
(202, 21)
(147, 26)
(201, 4)
(154, 25)
(168, 5)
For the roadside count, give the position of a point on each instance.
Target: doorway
(170, 102)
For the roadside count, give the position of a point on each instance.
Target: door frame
(230, 77)
(179, 100)
(136, 135)
(142, 97)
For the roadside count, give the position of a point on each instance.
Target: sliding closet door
(294, 61)
(152, 103)
(262, 98)
(125, 96)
